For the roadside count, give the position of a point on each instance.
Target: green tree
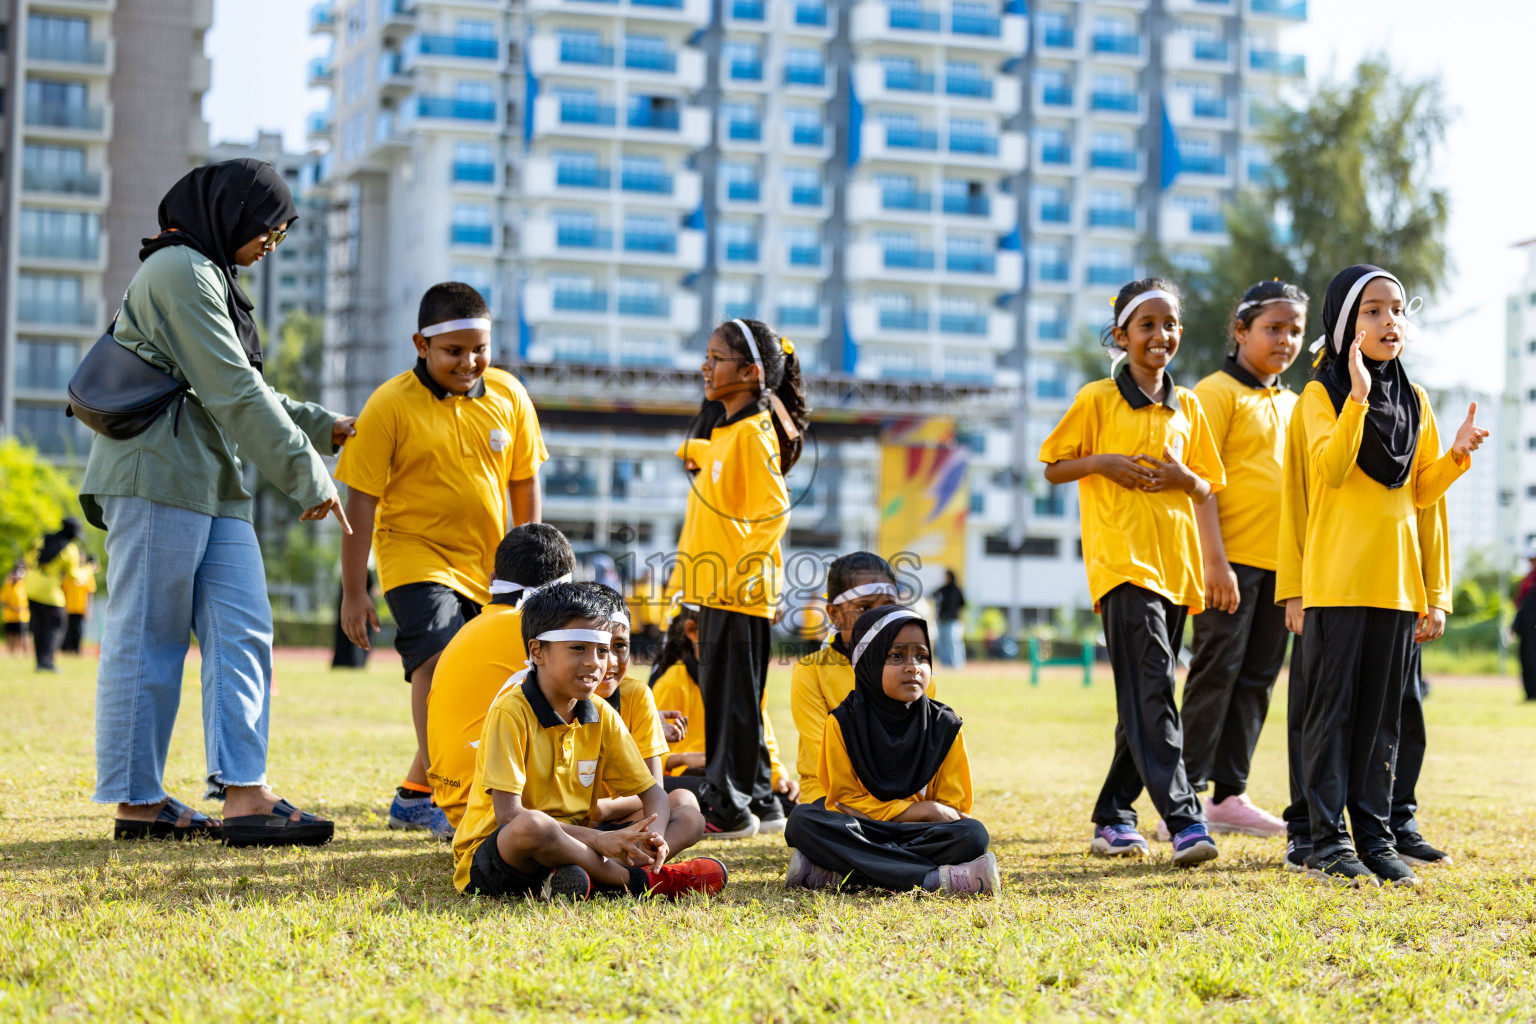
(1351, 168)
(34, 497)
(295, 365)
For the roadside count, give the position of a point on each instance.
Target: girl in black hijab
(1370, 464)
(898, 782)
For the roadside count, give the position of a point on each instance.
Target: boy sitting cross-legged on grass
(482, 654)
(632, 699)
(546, 752)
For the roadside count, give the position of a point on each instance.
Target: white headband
(1413, 306)
(479, 323)
(1153, 293)
(757, 359)
(508, 587)
(864, 591)
(595, 636)
(619, 616)
(1243, 307)
(894, 615)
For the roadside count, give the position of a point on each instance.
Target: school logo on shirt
(586, 772)
(500, 439)
(714, 473)
(1176, 447)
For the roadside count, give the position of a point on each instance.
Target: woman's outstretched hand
(343, 429)
(328, 507)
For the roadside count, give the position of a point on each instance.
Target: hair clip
(788, 346)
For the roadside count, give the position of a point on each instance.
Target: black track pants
(882, 854)
(734, 650)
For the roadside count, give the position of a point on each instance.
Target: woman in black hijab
(1372, 464)
(898, 782)
(183, 557)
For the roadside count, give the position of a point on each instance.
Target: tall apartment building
(292, 278)
(104, 114)
(935, 200)
(1516, 431)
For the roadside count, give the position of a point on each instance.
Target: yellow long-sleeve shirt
(1348, 541)
(817, 684)
(676, 691)
(951, 784)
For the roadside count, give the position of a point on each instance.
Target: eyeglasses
(275, 238)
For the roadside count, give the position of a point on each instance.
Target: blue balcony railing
(739, 310)
(650, 60)
(747, 70)
(914, 18)
(666, 119)
(799, 316)
(748, 10)
(472, 234)
(968, 85)
(1207, 223)
(1059, 38)
(962, 323)
(1296, 9)
(741, 252)
(461, 110)
(582, 112)
(1111, 217)
(1053, 270)
(906, 199)
(61, 182)
(1213, 50)
(909, 259)
(1056, 154)
(47, 311)
(970, 262)
(579, 236)
(1278, 63)
(1051, 388)
(805, 255)
(808, 135)
(1113, 159)
(967, 142)
(580, 51)
(1104, 274)
(967, 205)
(1056, 213)
(1210, 106)
(805, 195)
(1113, 42)
(676, 5)
(645, 305)
(908, 80)
(1123, 102)
(458, 46)
(582, 176)
(474, 173)
(745, 131)
(1216, 165)
(743, 191)
(1051, 330)
(963, 23)
(910, 138)
(1056, 95)
(904, 319)
(805, 74)
(645, 181)
(650, 241)
(808, 14)
(581, 301)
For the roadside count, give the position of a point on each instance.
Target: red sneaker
(702, 874)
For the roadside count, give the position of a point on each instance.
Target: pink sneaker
(1237, 814)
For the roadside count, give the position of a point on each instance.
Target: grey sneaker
(568, 882)
(977, 877)
(804, 873)
(1390, 869)
(745, 829)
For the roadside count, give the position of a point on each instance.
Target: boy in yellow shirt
(482, 655)
(1143, 456)
(14, 597)
(440, 452)
(548, 750)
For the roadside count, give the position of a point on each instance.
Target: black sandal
(166, 824)
(276, 828)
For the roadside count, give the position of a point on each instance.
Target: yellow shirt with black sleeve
(1147, 538)
(636, 706)
(13, 595)
(45, 583)
(78, 588)
(951, 784)
(676, 691)
(485, 652)
(440, 463)
(818, 683)
(728, 553)
(1349, 541)
(1248, 421)
(557, 767)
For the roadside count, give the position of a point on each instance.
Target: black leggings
(882, 854)
(47, 628)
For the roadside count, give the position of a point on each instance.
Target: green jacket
(175, 316)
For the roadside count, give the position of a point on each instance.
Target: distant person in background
(56, 559)
(13, 595)
(949, 603)
(78, 588)
(1524, 627)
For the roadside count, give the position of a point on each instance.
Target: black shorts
(15, 628)
(427, 615)
(489, 875)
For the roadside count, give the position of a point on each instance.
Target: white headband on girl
(619, 616)
(1413, 306)
(790, 430)
(594, 636)
(894, 615)
(508, 587)
(1153, 293)
(853, 593)
(1243, 307)
(471, 324)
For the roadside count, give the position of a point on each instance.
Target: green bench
(1084, 657)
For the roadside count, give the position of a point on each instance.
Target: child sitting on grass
(896, 778)
(632, 699)
(546, 749)
(676, 687)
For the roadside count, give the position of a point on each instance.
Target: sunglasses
(275, 238)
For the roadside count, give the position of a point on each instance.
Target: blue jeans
(172, 573)
(952, 643)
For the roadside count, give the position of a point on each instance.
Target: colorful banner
(924, 495)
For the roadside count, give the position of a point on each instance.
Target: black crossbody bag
(119, 394)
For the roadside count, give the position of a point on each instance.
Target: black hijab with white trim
(1392, 422)
(896, 748)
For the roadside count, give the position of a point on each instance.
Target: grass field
(370, 927)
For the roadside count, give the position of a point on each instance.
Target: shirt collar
(746, 412)
(586, 711)
(1234, 369)
(438, 391)
(1137, 398)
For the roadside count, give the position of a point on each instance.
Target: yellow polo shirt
(1141, 537)
(440, 463)
(818, 683)
(728, 553)
(637, 710)
(558, 767)
(1248, 421)
(1362, 544)
(676, 691)
(78, 588)
(951, 784)
(485, 652)
(13, 595)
